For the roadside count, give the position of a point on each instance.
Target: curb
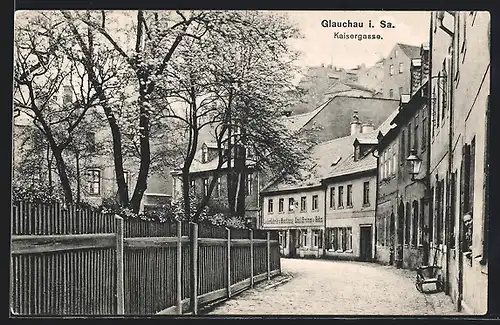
(274, 285)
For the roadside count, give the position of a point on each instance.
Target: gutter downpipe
(450, 157)
(376, 199)
(429, 134)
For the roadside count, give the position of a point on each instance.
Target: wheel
(418, 284)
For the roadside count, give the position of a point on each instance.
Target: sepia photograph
(250, 163)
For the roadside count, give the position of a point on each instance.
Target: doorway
(365, 247)
(400, 235)
(292, 243)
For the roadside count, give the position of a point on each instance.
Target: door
(365, 251)
(292, 243)
(400, 235)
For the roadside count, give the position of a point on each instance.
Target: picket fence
(82, 262)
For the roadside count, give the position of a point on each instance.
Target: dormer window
(204, 154)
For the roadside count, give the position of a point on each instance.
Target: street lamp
(415, 164)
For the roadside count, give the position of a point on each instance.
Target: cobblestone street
(322, 287)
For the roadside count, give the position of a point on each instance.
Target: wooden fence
(82, 262)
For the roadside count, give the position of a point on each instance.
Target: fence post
(251, 259)
(228, 262)
(120, 299)
(179, 268)
(268, 255)
(194, 268)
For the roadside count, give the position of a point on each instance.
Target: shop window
(339, 239)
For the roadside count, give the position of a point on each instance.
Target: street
(324, 287)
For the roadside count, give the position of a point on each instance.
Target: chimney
(425, 57)
(367, 128)
(415, 75)
(355, 124)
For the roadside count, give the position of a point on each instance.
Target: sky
(319, 46)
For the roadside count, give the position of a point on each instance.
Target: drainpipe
(429, 134)
(450, 157)
(376, 201)
(324, 219)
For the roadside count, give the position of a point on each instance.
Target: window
(415, 136)
(281, 204)
(391, 69)
(205, 186)
(402, 148)
(67, 95)
(90, 137)
(401, 69)
(125, 176)
(409, 139)
(204, 154)
(391, 93)
(424, 131)
(443, 90)
(193, 186)
(394, 159)
(400, 91)
(380, 167)
(421, 223)
(94, 184)
(315, 202)
(439, 212)
(339, 239)
(388, 161)
(303, 236)
(471, 174)
(407, 224)
(349, 196)
(439, 99)
(303, 204)
(366, 193)
(291, 204)
(218, 186)
(464, 35)
(315, 238)
(341, 197)
(414, 224)
(332, 197)
(249, 181)
(270, 205)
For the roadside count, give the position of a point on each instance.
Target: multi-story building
(331, 213)
(460, 61)
(91, 172)
(396, 64)
(329, 120)
(403, 198)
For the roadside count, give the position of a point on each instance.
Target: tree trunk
(49, 168)
(117, 157)
(63, 175)
(145, 151)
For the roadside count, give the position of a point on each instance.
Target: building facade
(331, 212)
(396, 70)
(461, 67)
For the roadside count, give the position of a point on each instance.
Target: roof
(411, 51)
(324, 155)
(336, 158)
(197, 166)
(366, 140)
(296, 122)
(212, 145)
